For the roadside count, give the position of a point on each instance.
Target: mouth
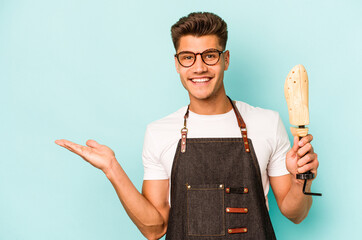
(200, 79)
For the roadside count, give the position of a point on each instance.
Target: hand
(100, 156)
(302, 157)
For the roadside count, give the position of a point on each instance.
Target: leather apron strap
(241, 124)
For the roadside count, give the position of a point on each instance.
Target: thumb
(92, 143)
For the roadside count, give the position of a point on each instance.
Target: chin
(200, 96)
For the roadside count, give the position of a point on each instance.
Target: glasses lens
(186, 59)
(210, 57)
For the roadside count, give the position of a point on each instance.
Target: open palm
(100, 156)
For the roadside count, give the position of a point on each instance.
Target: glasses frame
(195, 54)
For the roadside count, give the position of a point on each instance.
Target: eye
(210, 55)
(186, 57)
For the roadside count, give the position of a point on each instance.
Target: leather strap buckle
(183, 139)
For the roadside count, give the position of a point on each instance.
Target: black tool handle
(307, 176)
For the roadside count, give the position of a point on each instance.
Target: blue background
(104, 69)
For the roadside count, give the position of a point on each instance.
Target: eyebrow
(209, 49)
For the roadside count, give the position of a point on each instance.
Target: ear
(226, 59)
(177, 65)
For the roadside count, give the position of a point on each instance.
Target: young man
(216, 172)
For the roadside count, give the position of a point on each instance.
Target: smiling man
(208, 166)
(203, 79)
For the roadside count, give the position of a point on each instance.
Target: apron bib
(216, 189)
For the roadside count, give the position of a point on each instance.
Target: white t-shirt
(264, 127)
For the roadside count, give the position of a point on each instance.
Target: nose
(199, 66)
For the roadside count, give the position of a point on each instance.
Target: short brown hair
(200, 24)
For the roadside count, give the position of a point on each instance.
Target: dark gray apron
(216, 189)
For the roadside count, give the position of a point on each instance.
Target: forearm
(296, 205)
(146, 217)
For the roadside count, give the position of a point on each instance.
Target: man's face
(202, 82)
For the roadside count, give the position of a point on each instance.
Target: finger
(312, 166)
(307, 148)
(305, 140)
(76, 148)
(295, 144)
(60, 142)
(92, 143)
(306, 159)
(70, 149)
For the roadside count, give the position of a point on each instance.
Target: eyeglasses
(209, 57)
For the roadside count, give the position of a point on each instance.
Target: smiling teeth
(200, 80)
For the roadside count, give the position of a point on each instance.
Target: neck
(211, 106)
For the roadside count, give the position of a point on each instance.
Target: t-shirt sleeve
(277, 166)
(153, 169)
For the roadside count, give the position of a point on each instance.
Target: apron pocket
(205, 210)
